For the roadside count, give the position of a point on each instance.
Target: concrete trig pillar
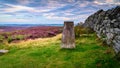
(68, 35)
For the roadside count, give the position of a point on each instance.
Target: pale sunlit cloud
(15, 8)
(102, 2)
(14, 20)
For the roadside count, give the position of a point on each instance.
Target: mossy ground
(46, 53)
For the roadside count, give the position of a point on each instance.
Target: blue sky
(50, 11)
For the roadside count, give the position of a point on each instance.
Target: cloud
(5, 16)
(3, 20)
(15, 8)
(24, 2)
(71, 1)
(67, 16)
(82, 3)
(59, 10)
(108, 2)
(19, 8)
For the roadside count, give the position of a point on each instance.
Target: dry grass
(37, 42)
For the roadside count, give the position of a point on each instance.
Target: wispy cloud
(108, 2)
(24, 2)
(52, 10)
(15, 8)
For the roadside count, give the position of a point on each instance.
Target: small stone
(116, 24)
(119, 19)
(106, 18)
(113, 21)
(117, 29)
(3, 52)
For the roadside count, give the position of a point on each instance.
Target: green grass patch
(47, 53)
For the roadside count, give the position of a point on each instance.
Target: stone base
(68, 46)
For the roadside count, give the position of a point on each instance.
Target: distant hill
(29, 25)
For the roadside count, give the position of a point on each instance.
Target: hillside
(89, 53)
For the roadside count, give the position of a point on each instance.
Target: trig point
(68, 35)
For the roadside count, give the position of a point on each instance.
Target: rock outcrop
(107, 26)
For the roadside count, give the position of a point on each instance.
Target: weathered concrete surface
(68, 35)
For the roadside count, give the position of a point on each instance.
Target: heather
(28, 33)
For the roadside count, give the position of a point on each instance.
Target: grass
(15, 37)
(46, 53)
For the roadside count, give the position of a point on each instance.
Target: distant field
(23, 33)
(46, 53)
(9, 28)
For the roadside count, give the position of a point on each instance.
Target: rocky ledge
(107, 26)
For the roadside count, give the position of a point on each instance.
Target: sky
(50, 11)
